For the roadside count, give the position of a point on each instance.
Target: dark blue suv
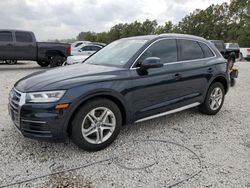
(130, 80)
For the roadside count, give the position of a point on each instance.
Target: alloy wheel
(98, 125)
(216, 98)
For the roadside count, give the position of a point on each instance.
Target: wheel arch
(222, 80)
(52, 53)
(107, 95)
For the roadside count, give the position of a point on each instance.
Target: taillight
(248, 49)
(69, 50)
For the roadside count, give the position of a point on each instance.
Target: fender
(108, 93)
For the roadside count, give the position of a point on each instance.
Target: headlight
(45, 96)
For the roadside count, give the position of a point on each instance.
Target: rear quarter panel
(44, 47)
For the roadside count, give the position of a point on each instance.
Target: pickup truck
(22, 45)
(230, 53)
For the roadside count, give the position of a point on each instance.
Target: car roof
(166, 35)
(15, 30)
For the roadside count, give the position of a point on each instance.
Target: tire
(11, 62)
(232, 82)
(84, 120)
(206, 108)
(231, 62)
(241, 57)
(57, 61)
(43, 63)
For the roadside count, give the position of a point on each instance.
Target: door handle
(177, 76)
(210, 70)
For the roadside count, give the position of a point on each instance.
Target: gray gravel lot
(222, 142)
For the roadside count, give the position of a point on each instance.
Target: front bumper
(39, 121)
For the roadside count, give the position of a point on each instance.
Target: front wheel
(43, 63)
(214, 99)
(96, 125)
(11, 62)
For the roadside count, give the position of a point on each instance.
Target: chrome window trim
(175, 62)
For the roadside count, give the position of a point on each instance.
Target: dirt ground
(155, 153)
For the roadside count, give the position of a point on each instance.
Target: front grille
(14, 106)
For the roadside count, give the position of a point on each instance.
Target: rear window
(78, 44)
(233, 46)
(190, 50)
(6, 36)
(23, 37)
(206, 50)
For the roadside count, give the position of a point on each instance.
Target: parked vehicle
(245, 54)
(229, 52)
(75, 59)
(21, 45)
(87, 49)
(130, 80)
(76, 45)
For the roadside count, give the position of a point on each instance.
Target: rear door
(196, 68)
(6, 45)
(25, 47)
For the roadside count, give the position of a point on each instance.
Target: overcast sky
(51, 19)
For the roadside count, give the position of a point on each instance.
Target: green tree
(228, 22)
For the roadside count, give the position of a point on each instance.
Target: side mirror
(151, 62)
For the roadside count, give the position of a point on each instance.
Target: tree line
(228, 22)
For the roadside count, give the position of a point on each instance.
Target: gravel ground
(222, 143)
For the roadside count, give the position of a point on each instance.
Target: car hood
(68, 77)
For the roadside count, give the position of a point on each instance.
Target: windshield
(117, 53)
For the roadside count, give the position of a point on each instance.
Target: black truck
(22, 45)
(231, 54)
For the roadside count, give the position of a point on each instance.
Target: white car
(76, 45)
(71, 60)
(86, 49)
(245, 54)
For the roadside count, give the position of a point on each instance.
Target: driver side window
(166, 50)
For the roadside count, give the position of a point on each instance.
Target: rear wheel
(96, 125)
(11, 62)
(43, 63)
(57, 61)
(214, 99)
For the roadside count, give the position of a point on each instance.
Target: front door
(25, 48)
(6, 45)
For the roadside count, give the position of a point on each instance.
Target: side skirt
(169, 112)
